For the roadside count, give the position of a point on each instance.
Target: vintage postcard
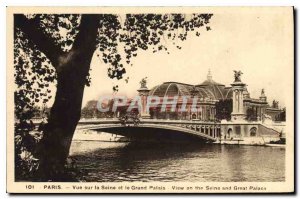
(150, 100)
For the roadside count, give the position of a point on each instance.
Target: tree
(251, 114)
(224, 109)
(282, 115)
(89, 110)
(42, 54)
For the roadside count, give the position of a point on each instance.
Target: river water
(101, 161)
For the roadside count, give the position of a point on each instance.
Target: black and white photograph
(150, 99)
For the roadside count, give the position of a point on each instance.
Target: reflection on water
(115, 162)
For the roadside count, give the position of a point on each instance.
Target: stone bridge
(158, 130)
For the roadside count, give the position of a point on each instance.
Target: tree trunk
(72, 71)
(64, 116)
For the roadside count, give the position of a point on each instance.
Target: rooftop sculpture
(143, 82)
(237, 76)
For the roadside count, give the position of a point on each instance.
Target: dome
(220, 92)
(170, 89)
(209, 81)
(209, 89)
(179, 89)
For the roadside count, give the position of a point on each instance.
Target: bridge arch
(253, 132)
(155, 132)
(229, 133)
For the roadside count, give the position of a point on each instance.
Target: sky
(257, 42)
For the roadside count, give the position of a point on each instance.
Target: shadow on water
(193, 162)
(165, 150)
(136, 161)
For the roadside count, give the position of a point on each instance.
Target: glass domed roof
(208, 89)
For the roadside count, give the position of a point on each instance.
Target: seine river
(101, 161)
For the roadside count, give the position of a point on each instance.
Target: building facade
(208, 101)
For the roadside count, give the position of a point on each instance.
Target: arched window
(253, 132)
(229, 132)
(194, 116)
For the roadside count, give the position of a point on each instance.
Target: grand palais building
(214, 101)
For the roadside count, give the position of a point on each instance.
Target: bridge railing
(209, 130)
(165, 121)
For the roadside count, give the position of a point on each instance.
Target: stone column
(238, 88)
(143, 93)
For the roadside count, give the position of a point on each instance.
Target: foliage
(282, 115)
(142, 31)
(251, 114)
(118, 41)
(35, 71)
(90, 110)
(25, 145)
(224, 109)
